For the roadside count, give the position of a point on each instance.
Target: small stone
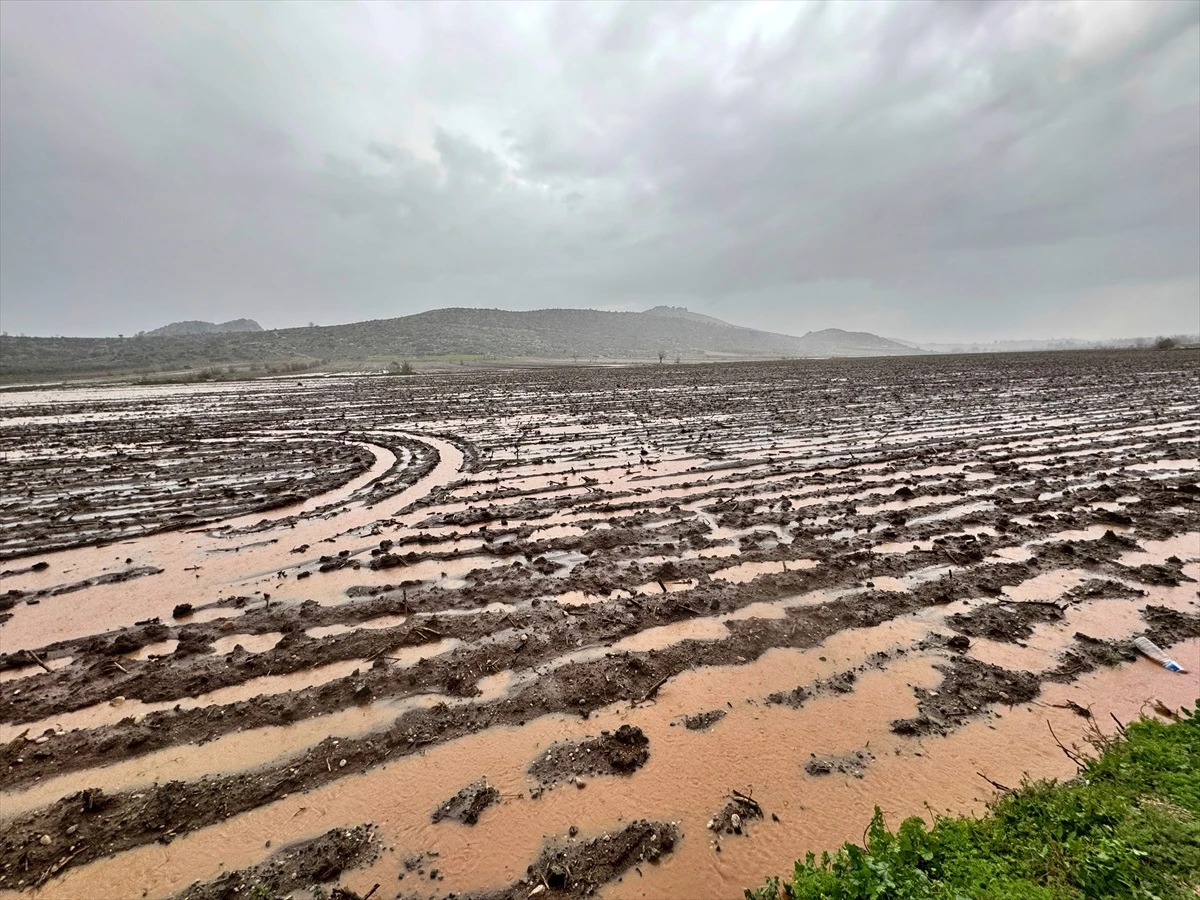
(116, 701)
(540, 889)
(45, 840)
(580, 783)
(71, 829)
(341, 764)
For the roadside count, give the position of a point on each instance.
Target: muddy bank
(310, 866)
(967, 687)
(165, 811)
(116, 482)
(617, 753)
(642, 524)
(577, 869)
(467, 804)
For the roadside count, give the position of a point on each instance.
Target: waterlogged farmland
(641, 632)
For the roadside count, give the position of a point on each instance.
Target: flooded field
(644, 632)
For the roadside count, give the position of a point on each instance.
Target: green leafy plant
(1128, 826)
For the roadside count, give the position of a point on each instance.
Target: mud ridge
(577, 869)
(308, 866)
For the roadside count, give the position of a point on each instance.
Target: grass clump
(1128, 826)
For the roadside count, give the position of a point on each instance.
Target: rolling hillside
(176, 329)
(579, 334)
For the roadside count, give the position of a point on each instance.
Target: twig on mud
(367, 895)
(1070, 754)
(746, 799)
(34, 657)
(653, 689)
(55, 869)
(1074, 707)
(1120, 728)
(1005, 789)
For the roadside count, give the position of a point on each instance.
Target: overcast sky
(940, 171)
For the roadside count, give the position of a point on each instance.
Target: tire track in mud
(219, 565)
(657, 500)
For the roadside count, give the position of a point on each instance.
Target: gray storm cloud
(926, 171)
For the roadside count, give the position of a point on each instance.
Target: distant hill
(175, 329)
(835, 342)
(580, 334)
(681, 312)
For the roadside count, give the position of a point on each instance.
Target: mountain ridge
(547, 334)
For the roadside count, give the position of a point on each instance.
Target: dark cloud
(925, 170)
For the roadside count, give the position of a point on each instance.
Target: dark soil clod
(704, 720)
(854, 763)
(304, 866)
(967, 687)
(467, 804)
(615, 753)
(578, 868)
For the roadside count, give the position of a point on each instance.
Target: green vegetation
(1127, 827)
(442, 335)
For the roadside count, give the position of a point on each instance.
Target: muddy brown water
(630, 517)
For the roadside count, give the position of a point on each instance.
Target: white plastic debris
(1151, 649)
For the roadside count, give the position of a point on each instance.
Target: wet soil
(577, 869)
(854, 763)
(703, 721)
(467, 804)
(617, 753)
(116, 479)
(312, 866)
(967, 687)
(568, 562)
(734, 817)
(1005, 621)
